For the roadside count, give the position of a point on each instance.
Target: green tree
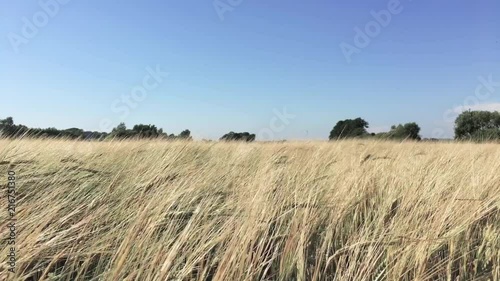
(120, 131)
(232, 136)
(7, 127)
(477, 125)
(406, 131)
(145, 131)
(349, 128)
(73, 133)
(186, 134)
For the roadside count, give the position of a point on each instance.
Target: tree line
(357, 128)
(10, 130)
(142, 131)
(469, 125)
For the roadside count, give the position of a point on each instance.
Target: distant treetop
(232, 136)
(349, 128)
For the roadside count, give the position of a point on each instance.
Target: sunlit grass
(348, 210)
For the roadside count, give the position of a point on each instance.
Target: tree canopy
(410, 131)
(142, 131)
(478, 125)
(232, 136)
(349, 128)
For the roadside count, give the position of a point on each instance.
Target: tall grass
(347, 210)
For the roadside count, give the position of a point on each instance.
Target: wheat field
(346, 210)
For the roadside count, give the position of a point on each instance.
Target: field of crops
(159, 210)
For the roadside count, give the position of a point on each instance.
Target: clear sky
(233, 70)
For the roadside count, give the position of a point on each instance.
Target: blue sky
(235, 73)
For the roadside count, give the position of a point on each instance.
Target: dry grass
(350, 210)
